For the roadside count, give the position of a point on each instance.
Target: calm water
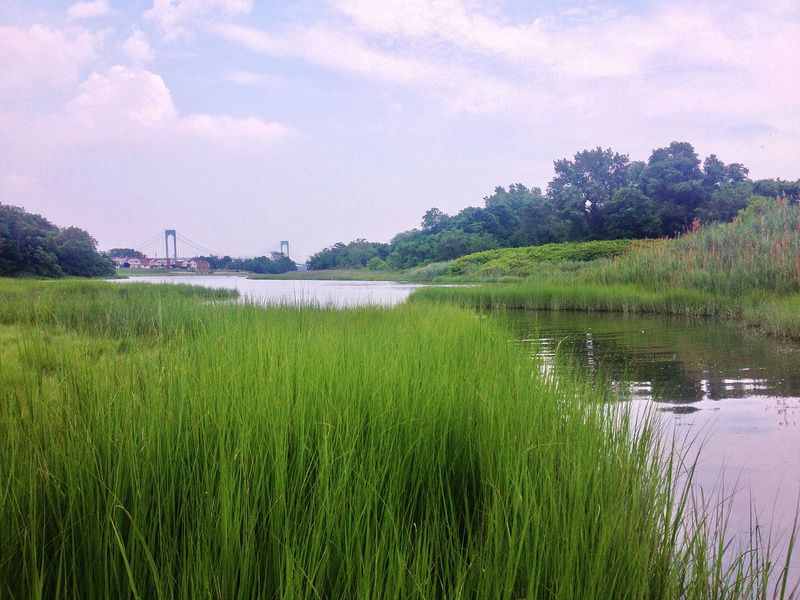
(336, 293)
(735, 391)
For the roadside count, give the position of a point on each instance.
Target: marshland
(584, 390)
(163, 441)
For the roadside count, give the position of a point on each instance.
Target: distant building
(131, 262)
(159, 263)
(197, 264)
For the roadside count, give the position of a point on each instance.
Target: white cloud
(254, 79)
(670, 59)
(137, 48)
(596, 42)
(556, 42)
(41, 55)
(122, 100)
(176, 18)
(130, 104)
(231, 131)
(89, 10)
(458, 87)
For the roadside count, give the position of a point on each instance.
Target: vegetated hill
(523, 262)
(32, 245)
(758, 252)
(599, 194)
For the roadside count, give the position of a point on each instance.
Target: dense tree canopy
(599, 194)
(584, 185)
(355, 255)
(274, 264)
(125, 253)
(31, 245)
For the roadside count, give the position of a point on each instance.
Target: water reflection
(735, 392)
(295, 291)
(678, 362)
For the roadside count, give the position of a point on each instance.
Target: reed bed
(759, 252)
(199, 449)
(578, 296)
(748, 270)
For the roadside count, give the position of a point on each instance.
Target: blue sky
(240, 123)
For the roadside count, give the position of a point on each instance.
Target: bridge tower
(284, 244)
(171, 233)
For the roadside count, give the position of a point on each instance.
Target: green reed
(758, 252)
(158, 445)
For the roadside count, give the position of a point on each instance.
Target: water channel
(732, 390)
(736, 393)
(295, 291)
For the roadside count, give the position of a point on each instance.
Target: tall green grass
(759, 252)
(119, 311)
(748, 270)
(212, 450)
(559, 294)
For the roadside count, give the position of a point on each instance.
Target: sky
(241, 123)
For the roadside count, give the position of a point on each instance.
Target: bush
(522, 262)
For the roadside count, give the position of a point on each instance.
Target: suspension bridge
(173, 247)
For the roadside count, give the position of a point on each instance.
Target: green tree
(353, 255)
(716, 172)
(725, 202)
(630, 215)
(26, 246)
(587, 182)
(125, 253)
(32, 245)
(434, 220)
(540, 223)
(77, 254)
(507, 208)
(409, 248)
(376, 264)
(276, 263)
(778, 188)
(675, 183)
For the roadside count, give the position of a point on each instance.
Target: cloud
(41, 55)
(554, 43)
(137, 48)
(89, 10)
(255, 79)
(132, 104)
(177, 18)
(458, 87)
(668, 60)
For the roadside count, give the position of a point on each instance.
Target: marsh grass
(155, 445)
(523, 262)
(336, 275)
(757, 253)
(748, 270)
(579, 296)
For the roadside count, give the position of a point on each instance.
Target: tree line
(32, 245)
(274, 264)
(599, 194)
(355, 255)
